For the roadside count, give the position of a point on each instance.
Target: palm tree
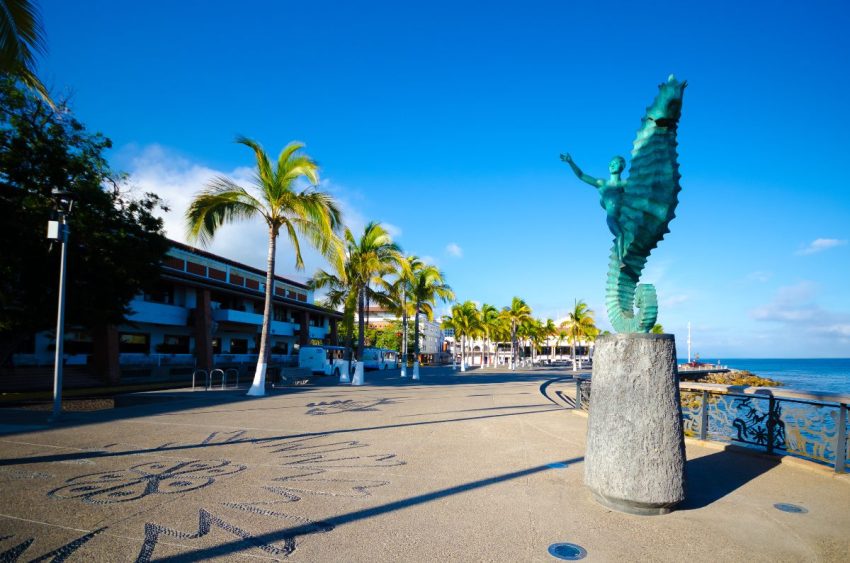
(579, 324)
(339, 296)
(549, 330)
(560, 336)
(21, 39)
(489, 320)
(466, 322)
(372, 256)
(396, 296)
(427, 287)
(518, 313)
(274, 197)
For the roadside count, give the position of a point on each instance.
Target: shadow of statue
(712, 477)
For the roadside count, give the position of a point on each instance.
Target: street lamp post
(58, 230)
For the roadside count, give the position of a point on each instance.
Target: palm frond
(265, 175)
(221, 202)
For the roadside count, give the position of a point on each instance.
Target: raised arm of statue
(595, 182)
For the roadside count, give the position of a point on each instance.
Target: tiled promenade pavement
(474, 467)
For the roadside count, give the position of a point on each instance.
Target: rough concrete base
(635, 458)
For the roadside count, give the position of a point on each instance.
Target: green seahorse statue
(640, 209)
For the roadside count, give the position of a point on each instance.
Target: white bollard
(454, 363)
(462, 365)
(358, 374)
(404, 369)
(344, 370)
(415, 371)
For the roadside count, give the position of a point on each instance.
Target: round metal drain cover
(557, 465)
(793, 508)
(567, 551)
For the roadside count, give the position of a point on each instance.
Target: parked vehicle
(380, 358)
(325, 360)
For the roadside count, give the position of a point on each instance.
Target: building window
(302, 297)
(78, 342)
(281, 348)
(279, 313)
(252, 284)
(134, 343)
(238, 346)
(175, 263)
(216, 345)
(236, 279)
(215, 274)
(162, 293)
(174, 344)
(195, 268)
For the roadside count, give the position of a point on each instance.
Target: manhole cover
(557, 465)
(786, 507)
(567, 551)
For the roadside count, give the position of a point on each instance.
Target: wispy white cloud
(177, 179)
(794, 311)
(453, 249)
(758, 277)
(819, 245)
(394, 230)
(671, 301)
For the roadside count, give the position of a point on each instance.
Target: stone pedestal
(635, 459)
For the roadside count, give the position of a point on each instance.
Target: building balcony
(278, 328)
(318, 332)
(158, 313)
(236, 316)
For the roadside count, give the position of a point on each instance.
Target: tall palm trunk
(404, 334)
(513, 345)
(416, 332)
(463, 350)
(361, 305)
(258, 387)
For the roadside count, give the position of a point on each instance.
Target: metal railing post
(771, 424)
(841, 439)
(703, 417)
(578, 393)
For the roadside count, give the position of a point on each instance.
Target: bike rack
(206, 375)
(221, 374)
(235, 373)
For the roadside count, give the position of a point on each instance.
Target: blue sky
(446, 119)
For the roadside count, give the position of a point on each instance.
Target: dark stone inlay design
(56, 556)
(359, 487)
(311, 452)
(348, 405)
(144, 479)
(206, 521)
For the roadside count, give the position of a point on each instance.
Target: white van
(380, 358)
(326, 360)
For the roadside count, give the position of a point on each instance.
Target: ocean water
(818, 374)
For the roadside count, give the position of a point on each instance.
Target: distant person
(611, 196)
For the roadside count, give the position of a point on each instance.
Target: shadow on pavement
(712, 477)
(171, 447)
(17, 421)
(285, 535)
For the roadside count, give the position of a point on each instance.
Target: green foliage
(21, 38)
(275, 196)
(580, 325)
(656, 329)
(115, 242)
